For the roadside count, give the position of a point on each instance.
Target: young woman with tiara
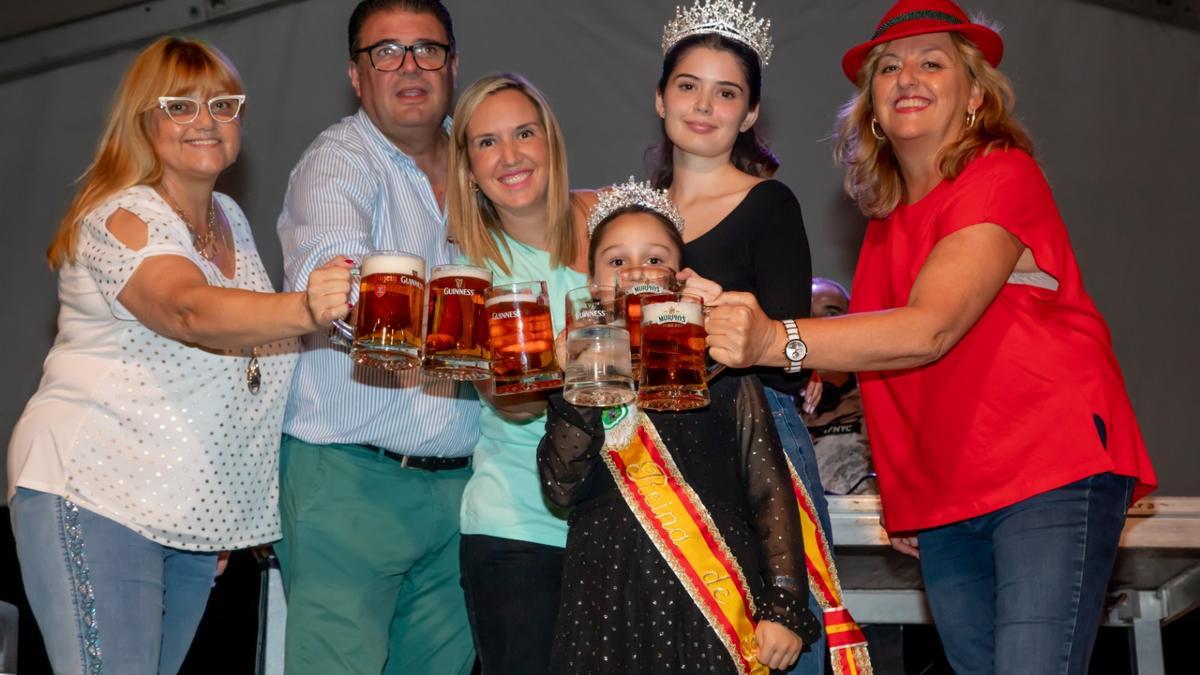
(706, 574)
(744, 230)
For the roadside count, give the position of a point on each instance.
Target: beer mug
(521, 336)
(456, 328)
(391, 294)
(634, 283)
(598, 372)
(674, 375)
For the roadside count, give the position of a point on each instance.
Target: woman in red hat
(1007, 449)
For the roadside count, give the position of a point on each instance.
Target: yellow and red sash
(847, 644)
(682, 530)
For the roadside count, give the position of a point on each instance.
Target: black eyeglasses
(389, 55)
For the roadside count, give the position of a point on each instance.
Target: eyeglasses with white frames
(185, 109)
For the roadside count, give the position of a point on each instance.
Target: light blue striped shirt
(352, 192)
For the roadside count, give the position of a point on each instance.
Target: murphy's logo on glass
(643, 289)
(672, 312)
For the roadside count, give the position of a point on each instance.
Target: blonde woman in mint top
(151, 444)
(510, 210)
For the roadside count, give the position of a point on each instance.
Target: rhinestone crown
(724, 18)
(633, 193)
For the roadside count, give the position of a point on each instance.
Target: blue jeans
(798, 446)
(106, 598)
(1021, 589)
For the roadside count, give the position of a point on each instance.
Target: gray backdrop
(1112, 99)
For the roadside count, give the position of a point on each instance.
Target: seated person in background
(836, 423)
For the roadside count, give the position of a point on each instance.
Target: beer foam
(672, 311)
(461, 271)
(514, 298)
(394, 263)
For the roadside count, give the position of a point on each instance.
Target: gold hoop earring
(879, 136)
(971, 118)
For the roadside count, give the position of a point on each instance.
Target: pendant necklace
(206, 246)
(253, 374)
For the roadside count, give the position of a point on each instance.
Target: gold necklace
(205, 244)
(207, 248)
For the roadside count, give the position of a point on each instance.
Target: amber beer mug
(521, 337)
(674, 375)
(635, 283)
(456, 328)
(391, 299)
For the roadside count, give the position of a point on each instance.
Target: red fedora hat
(917, 17)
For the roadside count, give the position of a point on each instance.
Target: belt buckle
(404, 461)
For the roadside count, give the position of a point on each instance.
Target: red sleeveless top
(1015, 408)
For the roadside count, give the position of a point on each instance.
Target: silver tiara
(723, 18)
(633, 193)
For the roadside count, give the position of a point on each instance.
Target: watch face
(795, 350)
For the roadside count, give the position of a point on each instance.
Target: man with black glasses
(374, 462)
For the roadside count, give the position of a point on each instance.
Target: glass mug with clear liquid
(391, 299)
(597, 371)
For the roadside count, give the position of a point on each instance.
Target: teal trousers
(369, 558)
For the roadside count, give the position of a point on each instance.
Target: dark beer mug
(674, 373)
(634, 283)
(391, 295)
(456, 328)
(521, 338)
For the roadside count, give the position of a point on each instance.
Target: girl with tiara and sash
(745, 232)
(685, 548)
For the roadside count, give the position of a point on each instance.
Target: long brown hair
(171, 66)
(750, 153)
(473, 217)
(873, 179)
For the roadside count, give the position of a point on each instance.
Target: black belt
(423, 463)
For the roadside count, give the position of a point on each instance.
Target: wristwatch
(795, 350)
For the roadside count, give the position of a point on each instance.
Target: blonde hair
(473, 217)
(171, 66)
(873, 179)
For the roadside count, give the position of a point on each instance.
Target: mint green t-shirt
(504, 496)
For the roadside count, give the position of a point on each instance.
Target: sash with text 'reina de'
(847, 644)
(682, 530)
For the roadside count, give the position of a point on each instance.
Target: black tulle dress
(622, 608)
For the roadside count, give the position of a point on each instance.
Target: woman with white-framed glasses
(150, 446)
